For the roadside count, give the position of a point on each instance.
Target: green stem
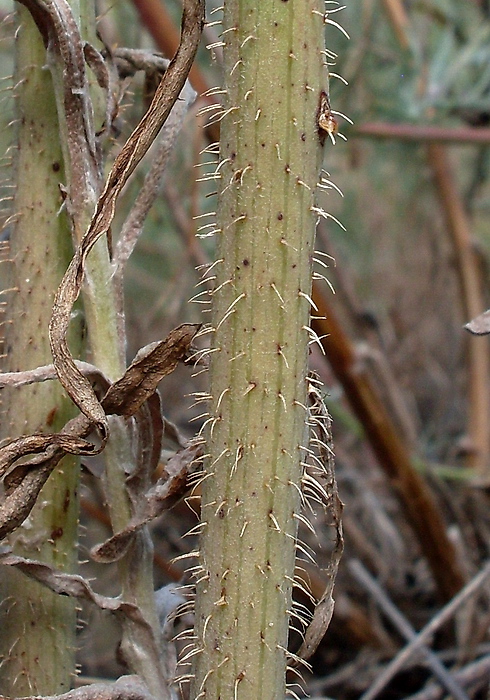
(106, 332)
(270, 159)
(37, 643)
(37, 640)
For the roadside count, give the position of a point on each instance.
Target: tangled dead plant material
(124, 398)
(166, 492)
(75, 384)
(127, 395)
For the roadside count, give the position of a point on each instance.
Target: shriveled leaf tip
(479, 325)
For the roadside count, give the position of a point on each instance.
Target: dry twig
(406, 630)
(421, 638)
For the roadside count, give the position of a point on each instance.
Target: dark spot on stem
(280, 216)
(246, 262)
(56, 167)
(51, 415)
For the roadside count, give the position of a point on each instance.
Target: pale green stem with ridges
(106, 331)
(107, 337)
(41, 217)
(270, 159)
(37, 640)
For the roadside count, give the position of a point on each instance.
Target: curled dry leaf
(125, 688)
(168, 490)
(75, 384)
(17, 505)
(122, 398)
(323, 472)
(23, 484)
(66, 59)
(479, 325)
(148, 447)
(151, 364)
(73, 586)
(59, 29)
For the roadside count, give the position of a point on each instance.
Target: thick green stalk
(106, 333)
(37, 646)
(270, 158)
(37, 640)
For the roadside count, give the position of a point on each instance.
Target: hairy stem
(106, 332)
(37, 642)
(270, 155)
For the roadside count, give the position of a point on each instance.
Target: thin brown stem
(418, 502)
(419, 132)
(399, 20)
(468, 270)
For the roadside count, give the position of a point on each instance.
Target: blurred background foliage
(404, 264)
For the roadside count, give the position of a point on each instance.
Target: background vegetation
(411, 269)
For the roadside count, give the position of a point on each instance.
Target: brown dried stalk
(419, 132)
(418, 502)
(471, 285)
(468, 271)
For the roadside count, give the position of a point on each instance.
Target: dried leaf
(321, 438)
(148, 438)
(20, 500)
(33, 444)
(73, 586)
(151, 364)
(77, 386)
(168, 490)
(106, 76)
(59, 29)
(125, 688)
